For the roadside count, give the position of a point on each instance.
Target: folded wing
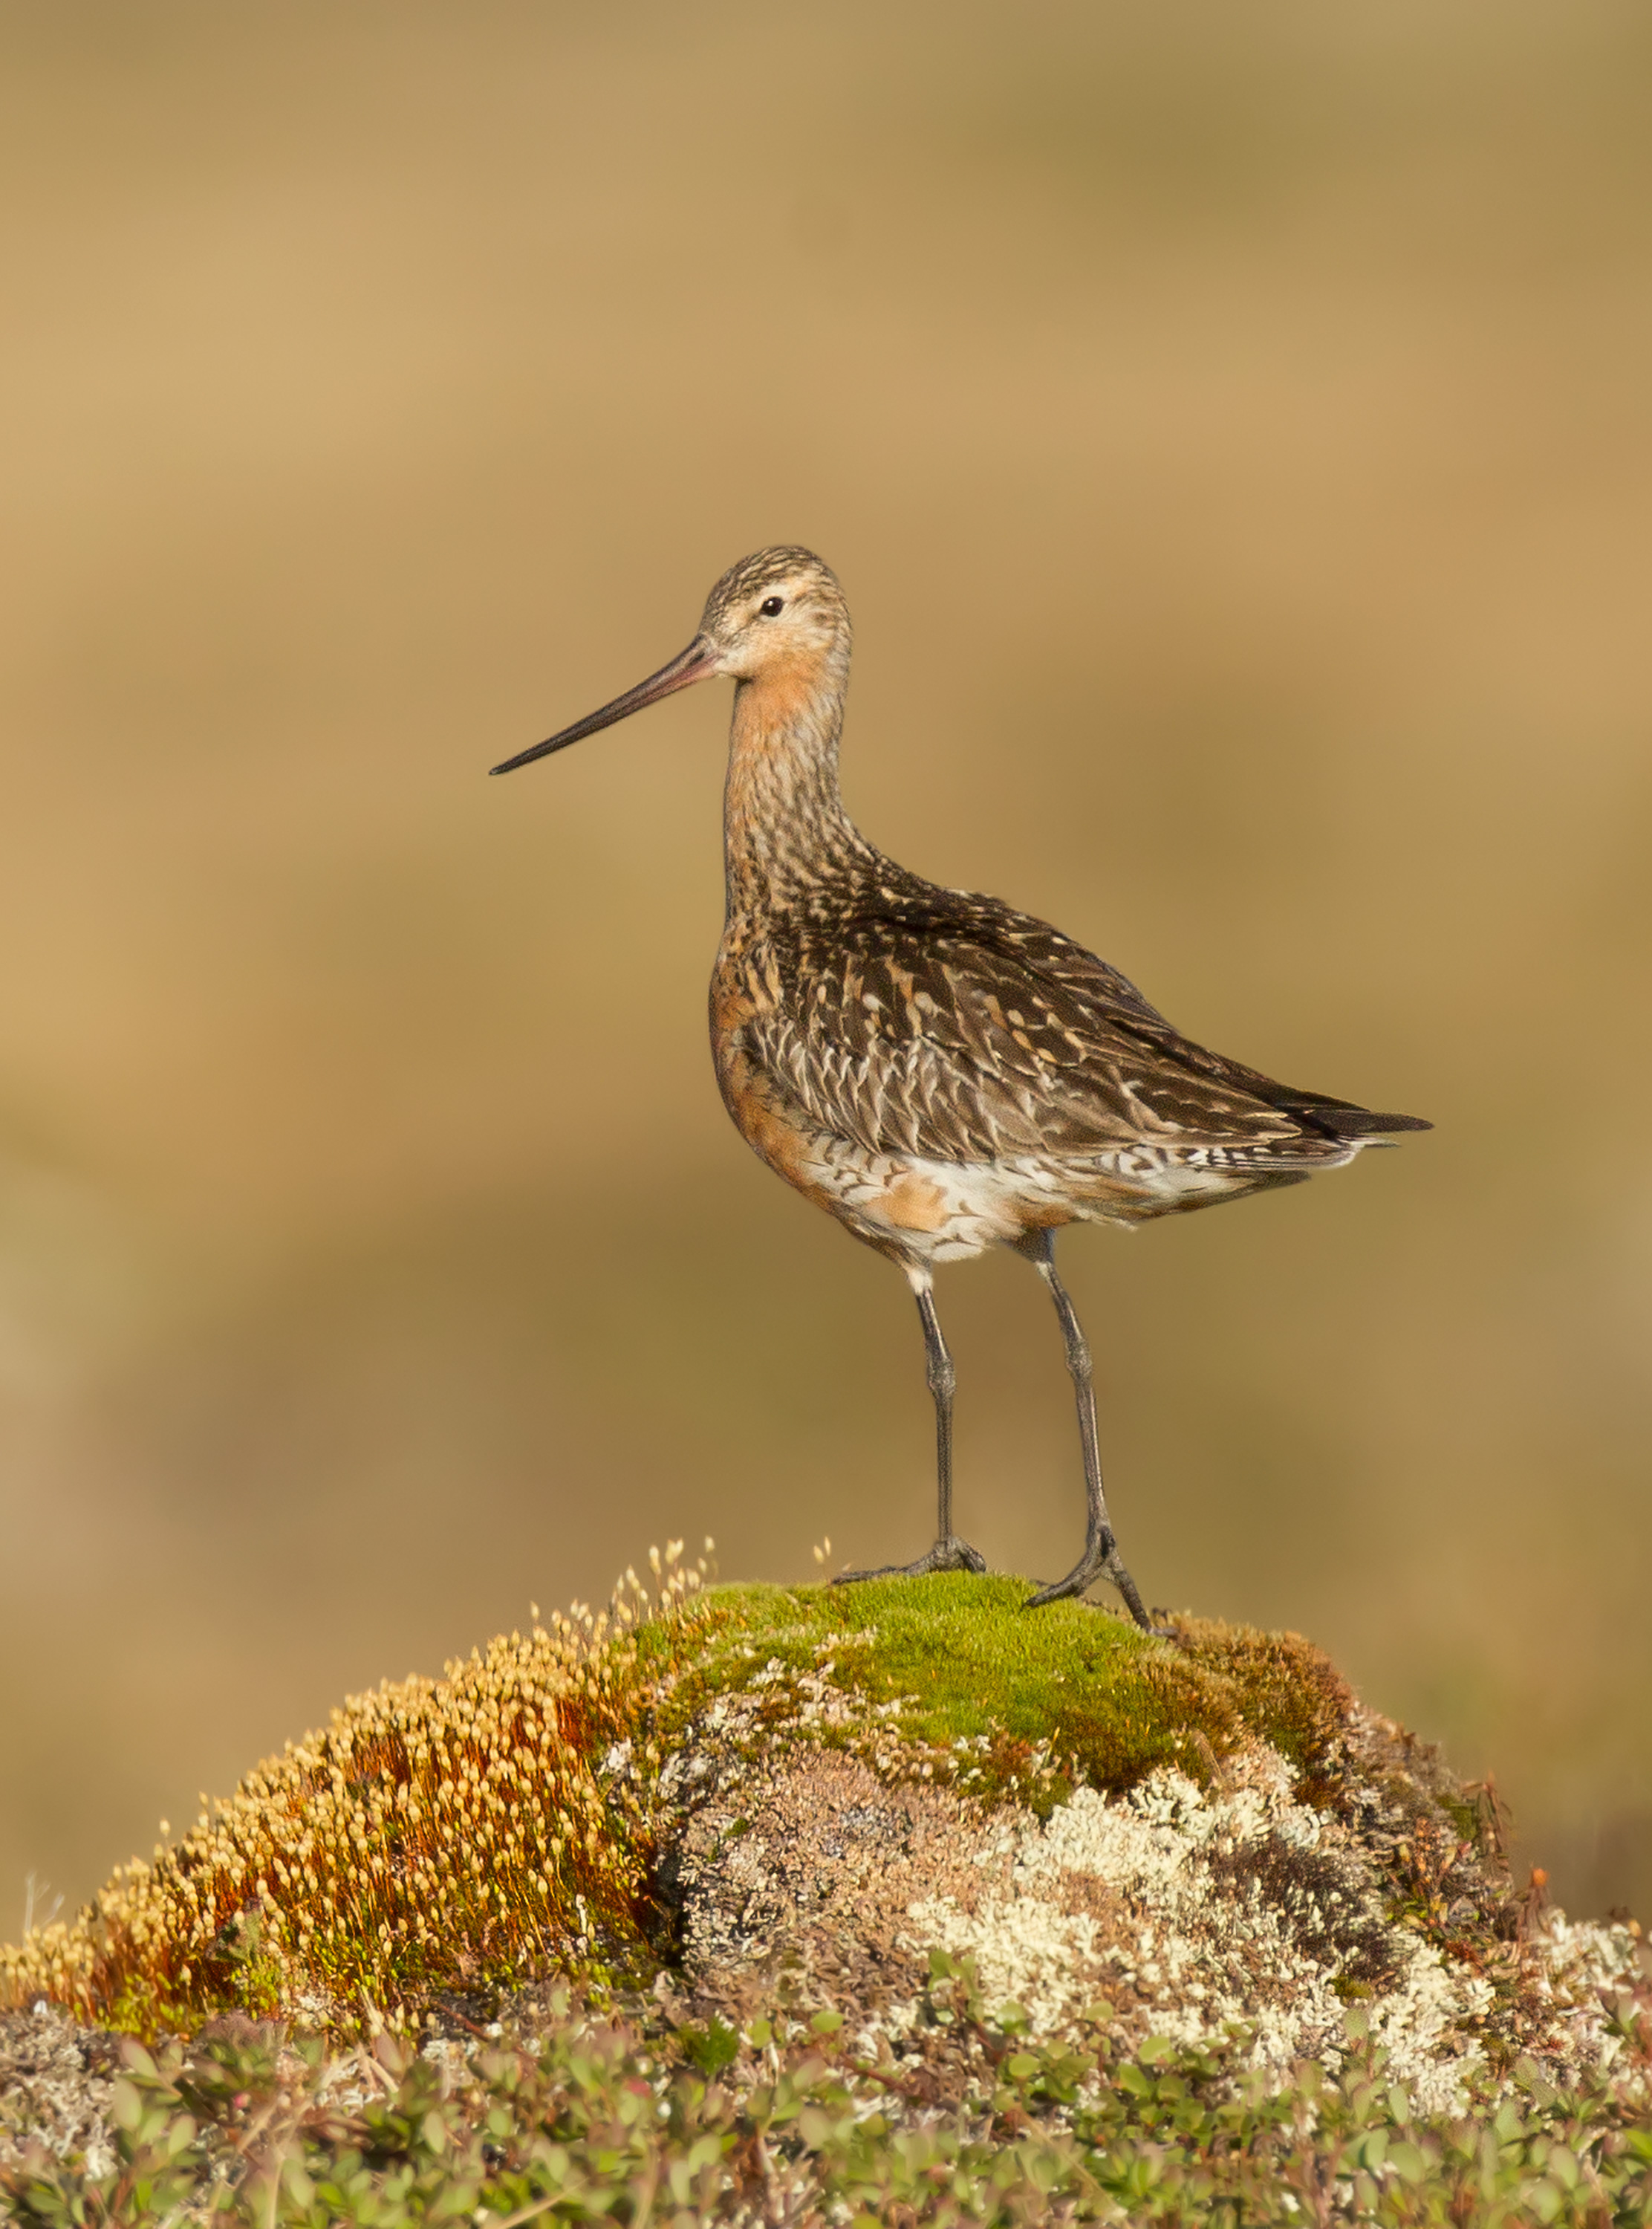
(944, 1025)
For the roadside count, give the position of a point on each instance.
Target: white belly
(934, 1212)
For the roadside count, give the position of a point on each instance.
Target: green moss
(1013, 1701)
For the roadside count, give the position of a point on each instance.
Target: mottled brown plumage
(938, 1071)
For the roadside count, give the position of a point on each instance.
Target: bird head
(779, 613)
(778, 606)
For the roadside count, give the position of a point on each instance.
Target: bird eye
(772, 607)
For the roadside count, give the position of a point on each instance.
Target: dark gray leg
(1100, 1558)
(949, 1553)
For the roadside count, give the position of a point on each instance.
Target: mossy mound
(466, 1834)
(445, 1841)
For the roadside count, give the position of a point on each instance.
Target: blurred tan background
(1233, 428)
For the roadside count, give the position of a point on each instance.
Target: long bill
(688, 666)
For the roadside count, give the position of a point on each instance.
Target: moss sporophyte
(862, 1899)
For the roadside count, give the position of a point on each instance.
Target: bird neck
(785, 829)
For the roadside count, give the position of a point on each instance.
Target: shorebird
(939, 1072)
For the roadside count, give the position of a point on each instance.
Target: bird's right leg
(949, 1553)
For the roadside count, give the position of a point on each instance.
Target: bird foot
(950, 1554)
(1100, 1560)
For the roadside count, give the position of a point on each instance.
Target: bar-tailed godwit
(939, 1072)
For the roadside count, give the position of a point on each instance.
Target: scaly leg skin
(949, 1553)
(1100, 1559)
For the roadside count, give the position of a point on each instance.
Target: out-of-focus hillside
(1234, 433)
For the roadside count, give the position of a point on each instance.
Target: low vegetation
(560, 2116)
(429, 1964)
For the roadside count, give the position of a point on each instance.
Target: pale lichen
(1202, 1933)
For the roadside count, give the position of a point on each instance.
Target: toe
(1059, 1589)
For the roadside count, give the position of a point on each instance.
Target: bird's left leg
(949, 1553)
(1100, 1559)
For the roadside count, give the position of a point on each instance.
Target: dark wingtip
(1356, 1123)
